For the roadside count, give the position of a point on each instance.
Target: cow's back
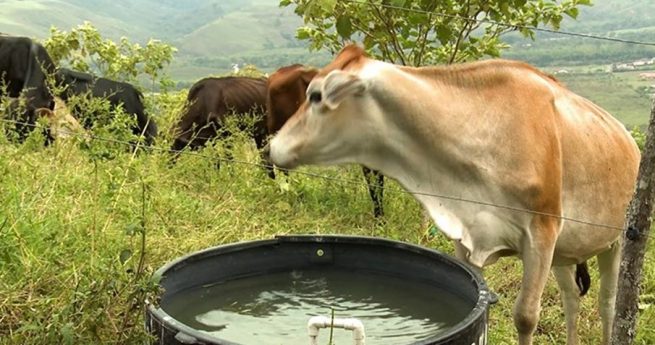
(13, 62)
(537, 146)
(22, 63)
(210, 100)
(230, 94)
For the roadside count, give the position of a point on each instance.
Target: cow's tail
(582, 278)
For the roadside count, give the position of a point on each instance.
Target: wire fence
(340, 180)
(509, 25)
(352, 182)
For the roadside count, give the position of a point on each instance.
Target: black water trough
(396, 261)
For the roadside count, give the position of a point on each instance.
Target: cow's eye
(315, 97)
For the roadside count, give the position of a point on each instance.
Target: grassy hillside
(211, 35)
(258, 26)
(34, 18)
(137, 20)
(624, 19)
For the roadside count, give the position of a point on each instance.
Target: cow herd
(25, 68)
(28, 72)
(528, 168)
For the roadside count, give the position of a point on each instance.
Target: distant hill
(211, 35)
(139, 19)
(623, 19)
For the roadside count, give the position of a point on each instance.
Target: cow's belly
(578, 242)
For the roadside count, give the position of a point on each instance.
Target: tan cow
(498, 132)
(61, 124)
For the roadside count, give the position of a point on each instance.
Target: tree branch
(384, 49)
(392, 33)
(424, 40)
(461, 35)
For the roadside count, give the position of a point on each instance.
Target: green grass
(81, 234)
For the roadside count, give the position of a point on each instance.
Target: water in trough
(274, 309)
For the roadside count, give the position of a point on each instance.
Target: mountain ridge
(211, 35)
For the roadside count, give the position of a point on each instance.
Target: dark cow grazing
(286, 92)
(119, 94)
(210, 100)
(24, 66)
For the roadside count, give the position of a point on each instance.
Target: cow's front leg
(537, 257)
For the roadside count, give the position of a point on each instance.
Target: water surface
(274, 309)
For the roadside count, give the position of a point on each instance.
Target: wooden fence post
(637, 228)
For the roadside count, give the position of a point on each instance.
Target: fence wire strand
(342, 181)
(353, 182)
(489, 21)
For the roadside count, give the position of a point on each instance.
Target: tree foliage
(419, 32)
(84, 49)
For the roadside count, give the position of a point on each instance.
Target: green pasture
(622, 94)
(85, 222)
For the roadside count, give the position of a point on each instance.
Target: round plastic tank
(398, 293)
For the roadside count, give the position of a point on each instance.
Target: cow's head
(194, 133)
(285, 93)
(337, 122)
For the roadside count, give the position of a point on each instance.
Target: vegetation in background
(85, 222)
(85, 50)
(624, 95)
(211, 35)
(425, 32)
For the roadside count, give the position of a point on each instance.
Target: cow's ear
(339, 85)
(307, 75)
(44, 113)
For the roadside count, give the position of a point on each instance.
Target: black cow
(119, 94)
(24, 67)
(210, 100)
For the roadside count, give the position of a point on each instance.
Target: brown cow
(534, 170)
(286, 92)
(210, 100)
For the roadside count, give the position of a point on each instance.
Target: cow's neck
(419, 175)
(420, 148)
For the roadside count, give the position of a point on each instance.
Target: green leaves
(125, 255)
(572, 12)
(444, 34)
(424, 32)
(84, 49)
(344, 27)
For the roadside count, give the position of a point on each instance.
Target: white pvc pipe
(317, 322)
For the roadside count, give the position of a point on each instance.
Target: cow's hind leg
(570, 292)
(608, 265)
(537, 257)
(375, 181)
(261, 141)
